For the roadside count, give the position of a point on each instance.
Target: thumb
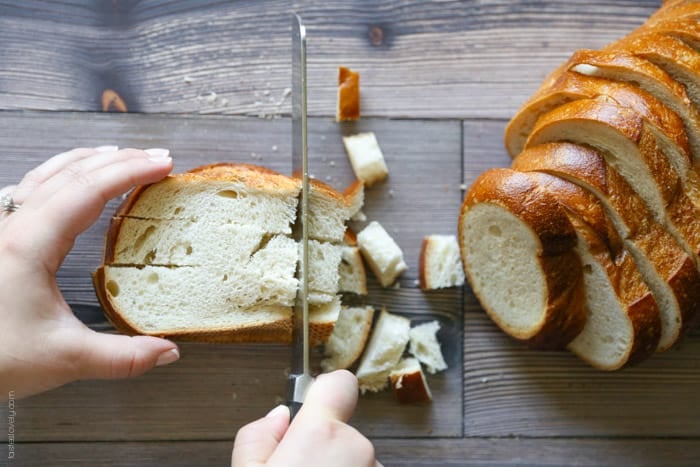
(111, 356)
(256, 441)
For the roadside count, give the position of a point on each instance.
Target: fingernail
(107, 148)
(168, 357)
(277, 411)
(158, 154)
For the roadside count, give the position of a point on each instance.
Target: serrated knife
(300, 376)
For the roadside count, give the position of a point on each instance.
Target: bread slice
(353, 277)
(625, 67)
(409, 384)
(518, 249)
(366, 157)
(346, 343)
(383, 352)
(382, 253)
(348, 107)
(424, 345)
(209, 255)
(675, 57)
(667, 270)
(624, 139)
(440, 265)
(623, 323)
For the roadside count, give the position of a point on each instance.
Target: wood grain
(474, 452)
(233, 57)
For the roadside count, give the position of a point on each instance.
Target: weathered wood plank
(513, 391)
(391, 452)
(215, 389)
(478, 58)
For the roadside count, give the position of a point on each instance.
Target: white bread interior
(346, 343)
(384, 350)
(382, 253)
(440, 263)
(366, 157)
(424, 345)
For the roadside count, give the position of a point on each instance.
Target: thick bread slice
(623, 325)
(409, 384)
(264, 324)
(668, 271)
(622, 66)
(424, 345)
(675, 57)
(518, 249)
(629, 146)
(208, 255)
(386, 345)
(439, 263)
(346, 343)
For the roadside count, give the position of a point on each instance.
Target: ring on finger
(8, 205)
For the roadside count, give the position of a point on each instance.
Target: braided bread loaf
(591, 240)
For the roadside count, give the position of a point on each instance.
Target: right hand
(318, 436)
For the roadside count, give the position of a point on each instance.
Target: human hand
(318, 436)
(42, 344)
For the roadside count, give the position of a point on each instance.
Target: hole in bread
(495, 230)
(113, 288)
(138, 244)
(225, 278)
(587, 269)
(152, 278)
(228, 194)
(150, 257)
(263, 243)
(188, 250)
(179, 210)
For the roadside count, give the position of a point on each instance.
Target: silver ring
(8, 205)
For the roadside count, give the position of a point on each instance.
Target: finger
(49, 168)
(256, 441)
(332, 395)
(76, 206)
(93, 355)
(79, 172)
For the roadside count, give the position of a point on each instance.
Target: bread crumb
(187, 79)
(463, 187)
(274, 148)
(211, 98)
(484, 380)
(234, 396)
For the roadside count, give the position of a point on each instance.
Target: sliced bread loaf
(518, 249)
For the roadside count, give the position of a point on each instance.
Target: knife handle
(294, 408)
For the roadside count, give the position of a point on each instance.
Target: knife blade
(300, 376)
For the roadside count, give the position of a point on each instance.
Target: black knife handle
(294, 408)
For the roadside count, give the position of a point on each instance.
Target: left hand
(42, 344)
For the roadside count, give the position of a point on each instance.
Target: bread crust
(590, 220)
(521, 195)
(348, 95)
(676, 268)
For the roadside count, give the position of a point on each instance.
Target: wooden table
(210, 80)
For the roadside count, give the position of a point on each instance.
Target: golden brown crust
(633, 293)
(520, 194)
(348, 95)
(671, 262)
(410, 388)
